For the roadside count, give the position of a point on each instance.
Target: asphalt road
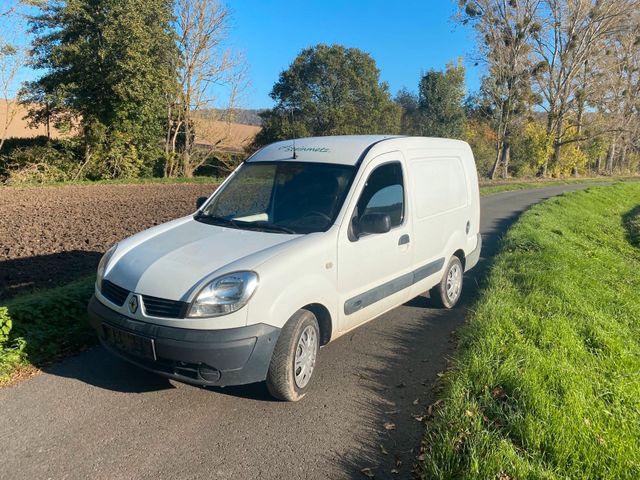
(94, 416)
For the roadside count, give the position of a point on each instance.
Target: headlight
(102, 266)
(224, 295)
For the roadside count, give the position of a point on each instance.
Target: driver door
(374, 270)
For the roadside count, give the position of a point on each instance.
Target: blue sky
(405, 38)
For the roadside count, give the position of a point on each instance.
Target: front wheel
(447, 293)
(294, 357)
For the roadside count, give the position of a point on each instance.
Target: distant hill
(211, 128)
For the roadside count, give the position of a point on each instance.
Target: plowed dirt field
(50, 236)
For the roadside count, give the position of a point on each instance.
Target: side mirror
(201, 201)
(374, 223)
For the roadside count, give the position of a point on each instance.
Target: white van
(305, 241)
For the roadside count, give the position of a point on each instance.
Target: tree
(617, 90)
(329, 90)
(441, 103)
(504, 30)
(107, 63)
(408, 101)
(202, 27)
(12, 59)
(571, 34)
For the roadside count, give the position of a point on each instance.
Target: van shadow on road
(99, 368)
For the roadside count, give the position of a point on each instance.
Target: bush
(51, 162)
(531, 148)
(42, 326)
(482, 139)
(5, 325)
(13, 143)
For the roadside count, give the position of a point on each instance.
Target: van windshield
(283, 197)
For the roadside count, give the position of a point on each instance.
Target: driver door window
(384, 194)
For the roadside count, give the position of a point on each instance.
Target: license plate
(129, 342)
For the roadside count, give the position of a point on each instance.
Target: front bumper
(234, 356)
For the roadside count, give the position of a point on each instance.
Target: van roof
(342, 149)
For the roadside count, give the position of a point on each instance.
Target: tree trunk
(186, 154)
(506, 155)
(550, 119)
(557, 142)
(611, 153)
(494, 169)
(623, 160)
(167, 141)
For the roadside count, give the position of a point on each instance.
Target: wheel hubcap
(454, 282)
(305, 360)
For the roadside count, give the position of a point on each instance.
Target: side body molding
(380, 292)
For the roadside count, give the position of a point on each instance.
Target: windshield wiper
(272, 227)
(229, 222)
(221, 221)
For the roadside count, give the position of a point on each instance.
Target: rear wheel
(447, 293)
(294, 357)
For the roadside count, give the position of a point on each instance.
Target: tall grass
(546, 381)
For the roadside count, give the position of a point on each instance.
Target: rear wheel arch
(460, 254)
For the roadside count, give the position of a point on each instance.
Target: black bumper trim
(240, 355)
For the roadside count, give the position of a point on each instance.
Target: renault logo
(133, 304)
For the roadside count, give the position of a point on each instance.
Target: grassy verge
(488, 187)
(38, 328)
(546, 380)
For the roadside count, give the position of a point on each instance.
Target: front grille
(114, 293)
(160, 307)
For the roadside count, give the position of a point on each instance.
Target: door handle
(404, 239)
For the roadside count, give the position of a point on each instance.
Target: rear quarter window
(439, 184)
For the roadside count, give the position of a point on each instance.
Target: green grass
(488, 187)
(122, 181)
(546, 379)
(38, 328)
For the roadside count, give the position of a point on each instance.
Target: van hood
(169, 260)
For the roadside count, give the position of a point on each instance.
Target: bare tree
(505, 29)
(571, 33)
(618, 89)
(208, 66)
(12, 59)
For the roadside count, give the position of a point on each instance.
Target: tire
(446, 294)
(299, 333)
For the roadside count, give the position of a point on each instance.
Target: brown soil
(50, 236)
